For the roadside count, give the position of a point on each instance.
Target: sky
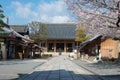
(26, 11)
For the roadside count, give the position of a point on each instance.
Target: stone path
(60, 68)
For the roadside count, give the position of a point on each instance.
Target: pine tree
(1, 16)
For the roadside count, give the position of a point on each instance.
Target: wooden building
(60, 37)
(100, 49)
(14, 43)
(109, 49)
(90, 48)
(23, 45)
(3, 37)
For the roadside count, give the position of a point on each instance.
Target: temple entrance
(60, 47)
(50, 47)
(69, 47)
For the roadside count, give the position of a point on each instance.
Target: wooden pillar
(46, 46)
(13, 54)
(73, 44)
(4, 51)
(23, 54)
(64, 46)
(55, 46)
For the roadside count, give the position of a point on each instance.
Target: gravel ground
(109, 70)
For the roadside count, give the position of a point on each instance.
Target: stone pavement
(60, 68)
(106, 69)
(11, 69)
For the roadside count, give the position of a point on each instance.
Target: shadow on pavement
(63, 75)
(111, 77)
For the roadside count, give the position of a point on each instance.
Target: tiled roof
(83, 44)
(61, 31)
(19, 28)
(4, 34)
(6, 25)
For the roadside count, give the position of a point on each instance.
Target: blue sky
(25, 11)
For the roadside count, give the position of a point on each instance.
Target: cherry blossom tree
(98, 16)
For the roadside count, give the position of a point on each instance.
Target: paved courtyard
(11, 69)
(107, 69)
(56, 68)
(59, 68)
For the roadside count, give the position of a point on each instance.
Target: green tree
(37, 31)
(1, 16)
(80, 35)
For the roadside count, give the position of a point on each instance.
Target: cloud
(22, 11)
(54, 11)
(53, 8)
(60, 19)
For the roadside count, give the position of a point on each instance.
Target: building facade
(97, 48)
(109, 49)
(13, 43)
(60, 38)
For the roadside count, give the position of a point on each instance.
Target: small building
(109, 49)
(21, 47)
(97, 48)
(28, 47)
(13, 43)
(90, 48)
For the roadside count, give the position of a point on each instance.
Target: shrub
(46, 55)
(50, 55)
